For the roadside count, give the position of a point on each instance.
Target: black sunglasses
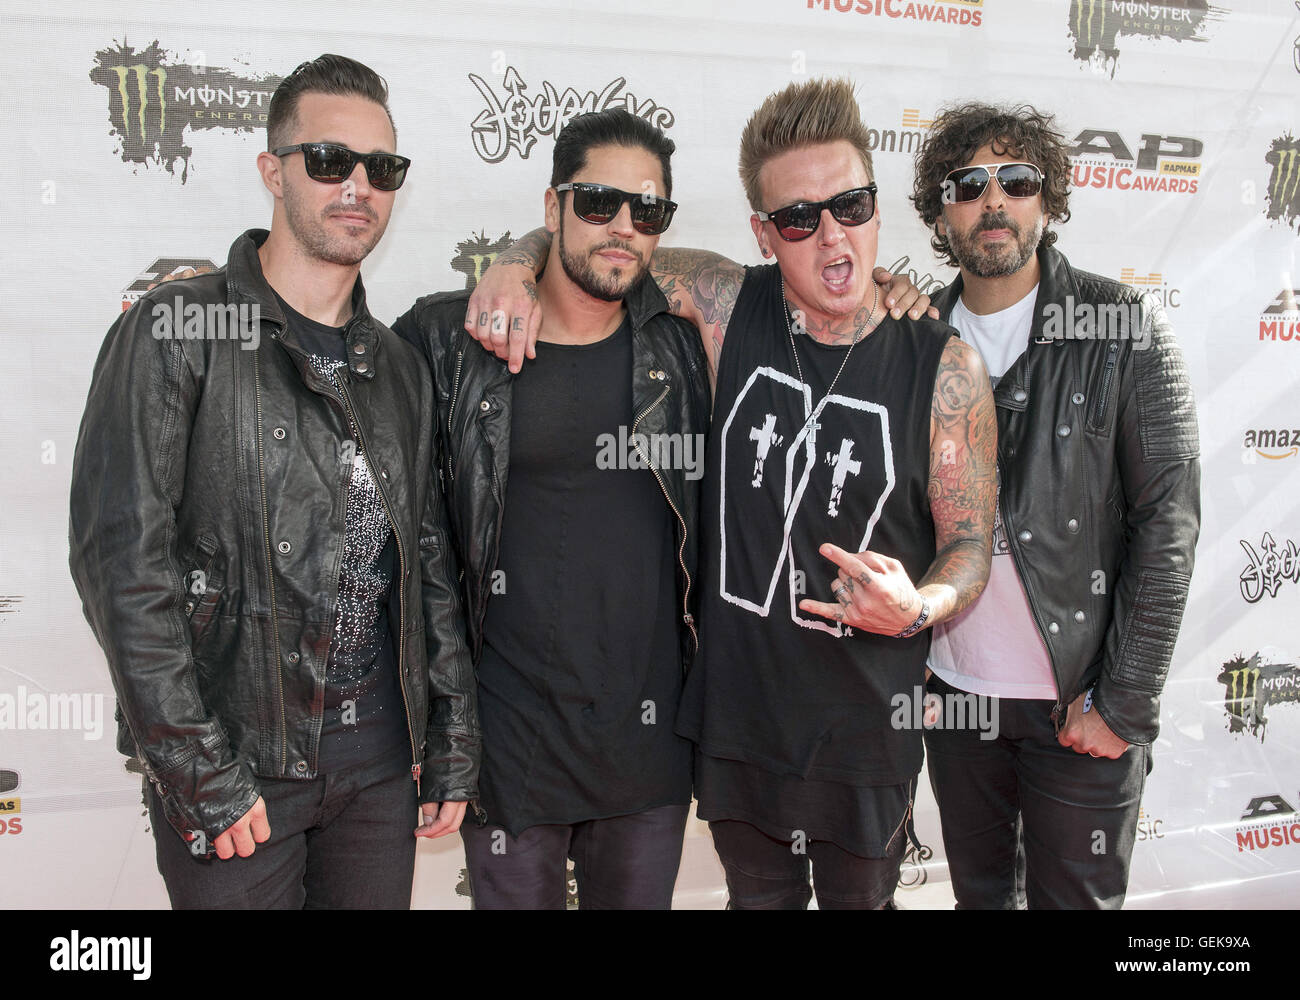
(597, 204)
(800, 220)
(1017, 180)
(333, 164)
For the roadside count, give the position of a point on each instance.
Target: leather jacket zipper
(451, 411)
(687, 617)
(401, 570)
(270, 565)
(1112, 356)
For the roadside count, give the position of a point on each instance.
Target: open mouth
(838, 274)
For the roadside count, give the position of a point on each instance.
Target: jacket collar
(246, 282)
(1056, 281)
(644, 302)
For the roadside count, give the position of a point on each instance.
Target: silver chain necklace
(857, 335)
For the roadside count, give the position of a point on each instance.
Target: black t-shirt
(364, 716)
(581, 668)
(800, 699)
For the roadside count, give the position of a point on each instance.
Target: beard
(985, 261)
(611, 288)
(319, 242)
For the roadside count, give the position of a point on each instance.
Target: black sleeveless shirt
(775, 686)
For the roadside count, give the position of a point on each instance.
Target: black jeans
(1026, 821)
(621, 863)
(340, 841)
(764, 873)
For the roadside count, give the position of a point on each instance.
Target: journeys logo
(1283, 193)
(1096, 25)
(516, 121)
(1272, 823)
(152, 100)
(1268, 568)
(1281, 320)
(1154, 283)
(163, 267)
(1251, 685)
(1103, 158)
(965, 12)
(476, 254)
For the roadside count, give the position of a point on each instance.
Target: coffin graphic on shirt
(791, 483)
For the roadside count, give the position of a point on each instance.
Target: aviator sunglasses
(597, 204)
(333, 164)
(1017, 180)
(799, 221)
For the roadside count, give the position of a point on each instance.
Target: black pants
(344, 840)
(1027, 821)
(764, 873)
(621, 863)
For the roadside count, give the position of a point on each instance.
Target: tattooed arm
(873, 591)
(963, 481)
(702, 287)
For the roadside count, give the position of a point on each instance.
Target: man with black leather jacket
(573, 491)
(1069, 645)
(260, 545)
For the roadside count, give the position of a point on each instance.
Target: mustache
(997, 220)
(351, 208)
(618, 245)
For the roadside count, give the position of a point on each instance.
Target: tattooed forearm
(530, 250)
(963, 484)
(702, 287)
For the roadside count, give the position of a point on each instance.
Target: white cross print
(843, 467)
(766, 436)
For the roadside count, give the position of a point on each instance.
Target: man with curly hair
(1098, 514)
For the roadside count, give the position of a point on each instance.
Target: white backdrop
(132, 140)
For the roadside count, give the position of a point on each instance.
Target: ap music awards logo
(1251, 685)
(969, 13)
(514, 120)
(1283, 194)
(476, 254)
(10, 805)
(1268, 821)
(1096, 25)
(1104, 158)
(1281, 320)
(163, 267)
(153, 99)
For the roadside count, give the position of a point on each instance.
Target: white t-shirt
(993, 647)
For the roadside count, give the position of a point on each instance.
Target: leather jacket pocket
(1105, 389)
(203, 585)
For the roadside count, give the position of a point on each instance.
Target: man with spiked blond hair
(844, 442)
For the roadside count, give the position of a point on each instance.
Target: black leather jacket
(199, 456)
(472, 390)
(1099, 458)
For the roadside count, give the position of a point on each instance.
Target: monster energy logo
(147, 97)
(140, 74)
(476, 254)
(1250, 686)
(1097, 24)
(1284, 183)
